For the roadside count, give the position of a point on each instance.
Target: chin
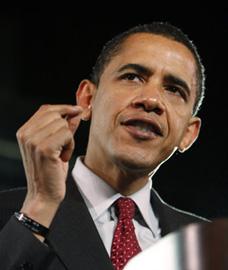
(134, 162)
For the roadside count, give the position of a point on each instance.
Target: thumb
(67, 151)
(74, 122)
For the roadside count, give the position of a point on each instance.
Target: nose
(149, 104)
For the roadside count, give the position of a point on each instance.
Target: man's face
(142, 109)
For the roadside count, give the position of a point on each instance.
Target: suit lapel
(171, 218)
(74, 236)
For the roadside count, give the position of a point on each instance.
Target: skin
(152, 79)
(122, 159)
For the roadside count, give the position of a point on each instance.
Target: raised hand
(46, 143)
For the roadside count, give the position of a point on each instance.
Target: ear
(84, 97)
(191, 134)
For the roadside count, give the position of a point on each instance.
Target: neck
(124, 180)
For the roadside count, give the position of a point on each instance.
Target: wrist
(31, 224)
(42, 211)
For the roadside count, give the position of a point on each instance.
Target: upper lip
(154, 124)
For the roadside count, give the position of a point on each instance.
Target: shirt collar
(99, 196)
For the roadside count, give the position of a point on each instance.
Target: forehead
(159, 53)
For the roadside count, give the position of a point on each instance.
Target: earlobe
(87, 113)
(190, 135)
(84, 97)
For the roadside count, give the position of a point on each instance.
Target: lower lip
(141, 135)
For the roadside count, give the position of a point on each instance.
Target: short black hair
(113, 46)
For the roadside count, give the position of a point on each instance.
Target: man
(145, 91)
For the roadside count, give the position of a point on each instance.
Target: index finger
(62, 109)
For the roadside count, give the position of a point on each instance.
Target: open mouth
(143, 128)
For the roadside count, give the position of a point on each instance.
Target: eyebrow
(178, 81)
(143, 70)
(169, 78)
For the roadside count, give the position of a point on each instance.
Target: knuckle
(68, 133)
(21, 136)
(62, 127)
(41, 150)
(44, 107)
(31, 144)
(64, 123)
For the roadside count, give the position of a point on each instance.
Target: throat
(128, 187)
(123, 178)
(124, 183)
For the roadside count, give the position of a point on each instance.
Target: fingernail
(78, 108)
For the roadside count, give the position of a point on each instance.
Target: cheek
(177, 107)
(105, 110)
(108, 104)
(177, 119)
(177, 131)
(178, 113)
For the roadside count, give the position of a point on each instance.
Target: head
(145, 91)
(112, 47)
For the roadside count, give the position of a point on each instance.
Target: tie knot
(125, 208)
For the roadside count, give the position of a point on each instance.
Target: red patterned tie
(124, 244)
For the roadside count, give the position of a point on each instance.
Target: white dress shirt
(99, 198)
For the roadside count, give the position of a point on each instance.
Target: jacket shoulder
(170, 217)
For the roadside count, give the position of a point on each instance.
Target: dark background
(45, 52)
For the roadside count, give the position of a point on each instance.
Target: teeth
(142, 126)
(144, 129)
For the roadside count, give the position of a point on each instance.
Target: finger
(74, 123)
(44, 117)
(67, 151)
(63, 110)
(33, 126)
(57, 145)
(38, 136)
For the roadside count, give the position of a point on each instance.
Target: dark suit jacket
(73, 242)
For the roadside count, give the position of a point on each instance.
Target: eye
(176, 90)
(131, 77)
